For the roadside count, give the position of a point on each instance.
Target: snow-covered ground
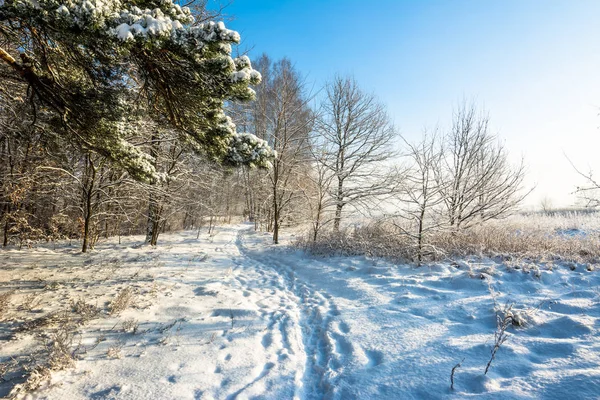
(234, 317)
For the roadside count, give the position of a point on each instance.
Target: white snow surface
(239, 318)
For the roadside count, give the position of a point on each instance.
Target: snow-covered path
(376, 330)
(237, 318)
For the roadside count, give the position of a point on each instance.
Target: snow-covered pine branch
(90, 60)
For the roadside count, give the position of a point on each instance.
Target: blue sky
(534, 65)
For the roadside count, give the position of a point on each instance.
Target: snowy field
(233, 317)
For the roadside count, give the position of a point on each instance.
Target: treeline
(108, 130)
(343, 156)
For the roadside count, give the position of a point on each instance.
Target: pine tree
(96, 67)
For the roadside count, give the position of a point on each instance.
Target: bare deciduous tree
(479, 182)
(420, 191)
(281, 116)
(546, 205)
(359, 138)
(316, 188)
(590, 191)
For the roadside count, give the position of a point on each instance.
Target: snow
(248, 149)
(62, 10)
(244, 72)
(232, 316)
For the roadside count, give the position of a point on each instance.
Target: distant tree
(478, 181)
(589, 192)
(359, 138)
(317, 186)
(546, 205)
(282, 117)
(88, 190)
(420, 192)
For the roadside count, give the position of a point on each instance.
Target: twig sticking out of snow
(457, 366)
(502, 324)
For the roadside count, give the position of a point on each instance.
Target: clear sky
(534, 65)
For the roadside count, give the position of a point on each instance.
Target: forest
(148, 165)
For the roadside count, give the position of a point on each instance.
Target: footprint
(344, 328)
(267, 340)
(269, 365)
(334, 311)
(225, 382)
(227, 357)
(172, 379)
(375, 358)
(342, 346)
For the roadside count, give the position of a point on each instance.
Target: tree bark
(339, 205)
(152, 226)
(88, 210)
(275, 216)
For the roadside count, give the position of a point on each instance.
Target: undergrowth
(533, 238)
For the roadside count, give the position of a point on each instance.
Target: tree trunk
(6, 226)
(275, 216)
(339, 205)
(87, 206)
(338, 217)
(153, 208)
(420, 237)
(86, 231)
(317, 224)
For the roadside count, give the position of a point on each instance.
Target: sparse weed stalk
(121, 301)
(30, 302)
(61, 347)
(112, 270)
(500, 335)
(130, 326)
(516, 317)
(35, 378)
(60, 350)
(506, 316)
(3, 369)
(87, 312)
(167, 327)
(154, 290)
(115, 351)
(97, 342)
(136, 274)
(5, 302)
